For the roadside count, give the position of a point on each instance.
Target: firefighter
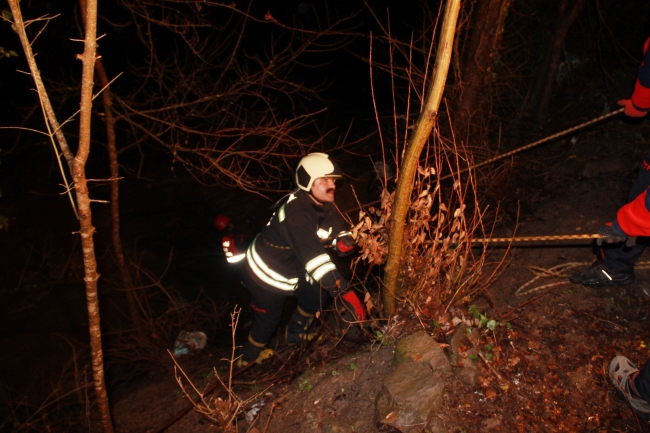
(288, 258)
(615, 264)
(619, 250)
(631, 221)
(233, 242)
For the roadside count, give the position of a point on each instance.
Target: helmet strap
(314, 199)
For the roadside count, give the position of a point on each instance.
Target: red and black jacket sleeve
(641, 96)
(634, 217)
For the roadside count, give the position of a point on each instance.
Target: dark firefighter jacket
(292, 246)
(634, 217)
(641, 95)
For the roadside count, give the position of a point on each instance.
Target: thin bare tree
(409, 164)
(76, 164)
(111, 144)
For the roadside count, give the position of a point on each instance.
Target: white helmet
(313, 166)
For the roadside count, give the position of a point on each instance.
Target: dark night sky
(120, 48)
(608, 40)
(349, 77)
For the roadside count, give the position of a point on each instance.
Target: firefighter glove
(613, 234)
(632, 110)
(344, 244)
(355, 305)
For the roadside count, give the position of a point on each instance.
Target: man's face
(323, 189)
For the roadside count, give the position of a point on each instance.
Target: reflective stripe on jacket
(291, 245)
(265, 273)
(234, 247)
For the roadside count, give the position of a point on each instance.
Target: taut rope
(537, 238)
(521, 149)
(538, 142)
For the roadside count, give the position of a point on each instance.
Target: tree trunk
(411, 158)
(109, 120)
(85, 216)
(77, 168)
(125, 276)
(488, 21)
(545, 83)
(51, 123)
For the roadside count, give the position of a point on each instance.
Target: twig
(491, 368)
(599, 320)
(234, 404)
(500, 318)
(268, 420)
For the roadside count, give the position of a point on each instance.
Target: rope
(528, 239)
(554, 272)
(537, 238)
(538, 142)
(520, 149)
(558, 271)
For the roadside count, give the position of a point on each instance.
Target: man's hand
(630, 109)
(355, 305)
(344, 244)
(614, 235)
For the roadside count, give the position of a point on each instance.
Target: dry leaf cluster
(439, 266)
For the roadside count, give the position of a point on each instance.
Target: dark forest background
(214, 105)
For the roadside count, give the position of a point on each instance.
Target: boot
(250, 353)
(598, 276)
(298, 326)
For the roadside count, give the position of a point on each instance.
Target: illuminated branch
(230, 113)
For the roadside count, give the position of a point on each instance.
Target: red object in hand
(351, 298)
(343, 247)
(630, 109)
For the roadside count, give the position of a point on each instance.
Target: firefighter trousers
(267, 305)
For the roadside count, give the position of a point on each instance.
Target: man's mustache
(330, 190)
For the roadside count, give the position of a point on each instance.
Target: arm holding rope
(639, 103)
